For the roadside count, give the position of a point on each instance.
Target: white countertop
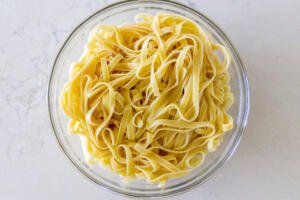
(266, 164)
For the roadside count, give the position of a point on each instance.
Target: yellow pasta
(150, 99)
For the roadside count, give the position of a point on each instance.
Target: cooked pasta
(150, 99)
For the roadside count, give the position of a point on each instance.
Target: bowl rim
(240, 131)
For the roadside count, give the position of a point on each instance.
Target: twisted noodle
(150, 99)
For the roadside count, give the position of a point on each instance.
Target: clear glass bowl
(119, 13)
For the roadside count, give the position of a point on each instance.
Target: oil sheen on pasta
(149, 99)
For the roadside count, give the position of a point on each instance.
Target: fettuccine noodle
(150, 99)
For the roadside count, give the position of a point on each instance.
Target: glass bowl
(71, 50)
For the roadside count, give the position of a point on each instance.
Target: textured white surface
(266, 164)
